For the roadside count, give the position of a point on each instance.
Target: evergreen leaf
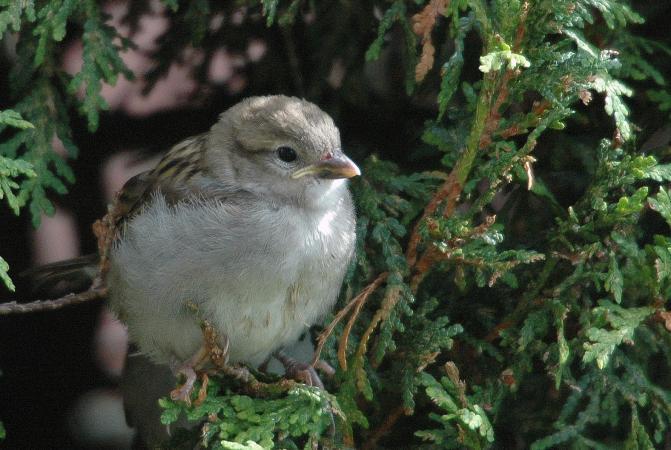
(4, 276)
(662, 204)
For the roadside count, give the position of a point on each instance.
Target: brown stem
(48, 305)
(521, 28)
(427, 260)
(449, 191)
(384, 428)
(360, 301)
(390, 299)
(360, 298)
(254, 387)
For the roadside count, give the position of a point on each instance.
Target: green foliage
(13, 12)
(101, 63)
(29, 165)
(229, 421)
(13, 119)
(4, 276)
(662, 204)
(451, 70)
(10, 171)
(504, 58)
(602, 342)
(465, 425)
(13, 168)
(524, 239)
(48, 168)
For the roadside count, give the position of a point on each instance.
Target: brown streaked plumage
(174, 176)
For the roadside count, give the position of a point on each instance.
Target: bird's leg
(188, 370)
(264, 365)
(325, 368)
(303, 373)
(217, 349)
(299, 371)
(214, 350)
(215, 345)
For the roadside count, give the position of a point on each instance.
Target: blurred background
(59, 369)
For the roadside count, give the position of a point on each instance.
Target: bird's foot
(183, 392)
(191, 371)
(326, 368)
(301, 372)
(306, 374)
(202, 392)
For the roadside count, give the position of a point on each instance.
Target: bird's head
(279, 146)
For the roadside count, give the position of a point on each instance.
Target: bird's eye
(287, 154)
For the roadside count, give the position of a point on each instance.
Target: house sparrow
(249, 226)
(251, 223)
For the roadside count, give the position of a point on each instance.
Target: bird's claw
(213, 350)
(301, 372)
(307, 376)
(183, 393)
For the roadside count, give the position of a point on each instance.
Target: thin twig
(521, 28)
(360, 301)
(48, 305)
(216, 351)
(384, 428)
(321, 340)
(425, 262)
(390, 300)
(254, 387)
(449, 191)
(105, 232)
(324, 335)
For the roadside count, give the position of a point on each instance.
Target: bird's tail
(62, 277)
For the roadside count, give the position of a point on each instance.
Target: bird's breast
(261, 275)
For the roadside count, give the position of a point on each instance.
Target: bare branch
(49, 305)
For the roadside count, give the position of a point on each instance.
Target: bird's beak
(330, 168)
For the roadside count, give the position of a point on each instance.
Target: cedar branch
(448, 193)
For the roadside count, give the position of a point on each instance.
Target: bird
(250, 225)
(251, 222)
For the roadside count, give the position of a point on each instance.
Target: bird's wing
(181, 174)
(178, 175)
(62, 277)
